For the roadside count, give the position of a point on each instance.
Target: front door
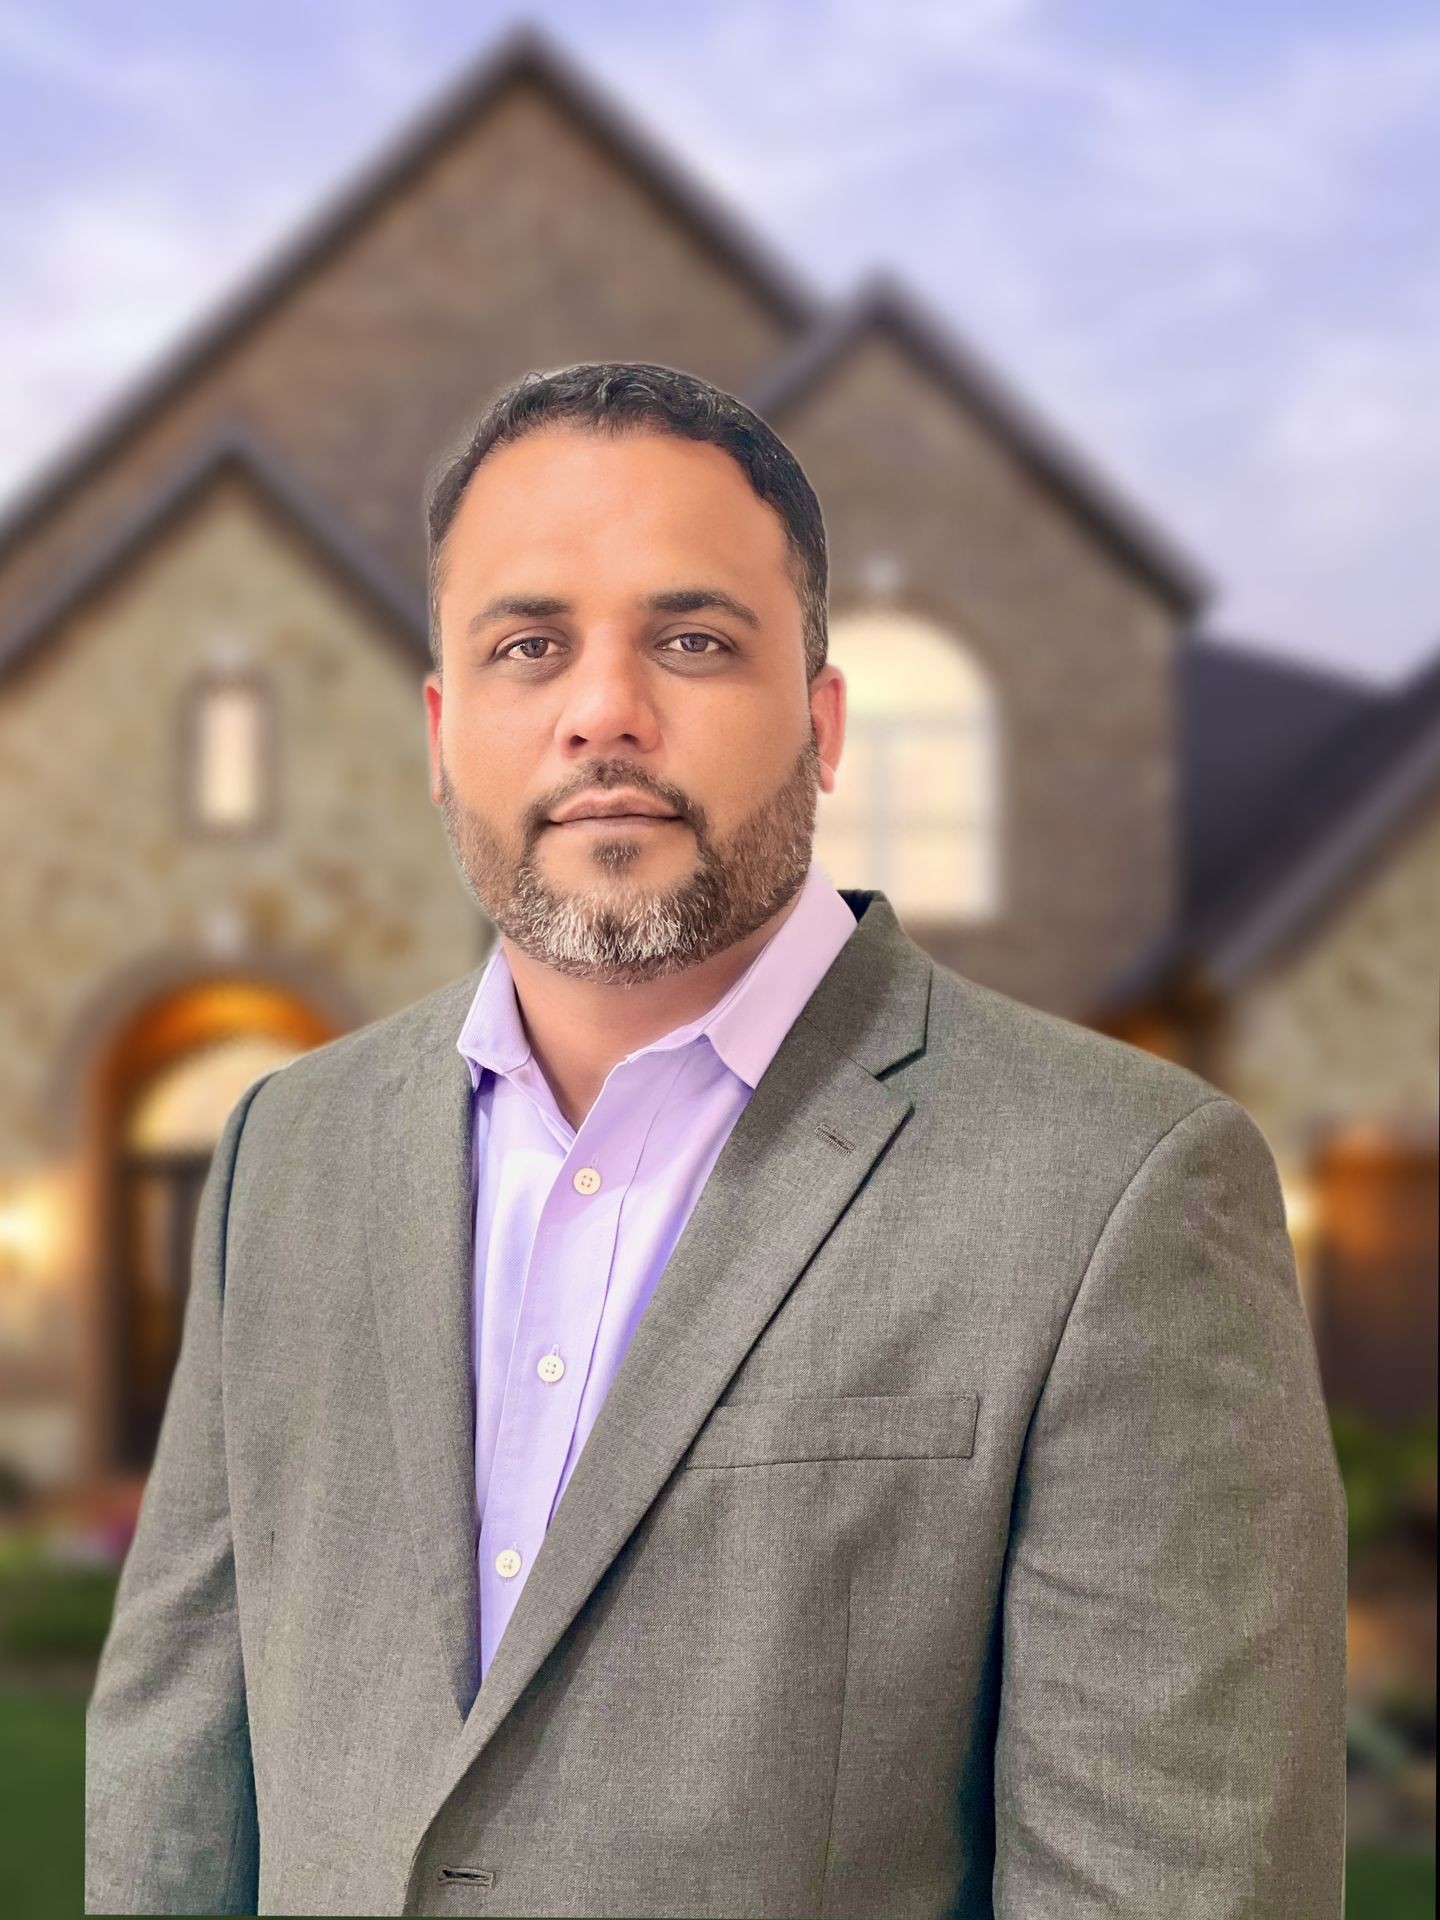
(157, 1199)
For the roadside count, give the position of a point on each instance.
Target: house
(1303, 976)
(218, 844)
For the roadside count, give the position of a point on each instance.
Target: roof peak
(523, 52)
(881, 300)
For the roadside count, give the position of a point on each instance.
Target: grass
(1389, 1886)
(42, 1834)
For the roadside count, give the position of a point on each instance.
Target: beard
(621, 932)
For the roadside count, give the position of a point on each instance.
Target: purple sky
(1202, 240)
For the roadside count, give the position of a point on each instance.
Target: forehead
(562, 498)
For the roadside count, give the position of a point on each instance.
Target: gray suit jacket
(962, 1533)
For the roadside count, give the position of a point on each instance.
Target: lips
(632, 805)
(619, 820)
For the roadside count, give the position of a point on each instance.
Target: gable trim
(235, 446)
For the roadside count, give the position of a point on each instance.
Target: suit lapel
(420, 1253)
(801, 1149)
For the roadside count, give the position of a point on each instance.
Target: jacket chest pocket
(896, 1426)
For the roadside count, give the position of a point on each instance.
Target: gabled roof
(524, 53)
(881, 304)
(232, 448)
(1254, 726)
(1360, 790)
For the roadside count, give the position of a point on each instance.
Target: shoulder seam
(1212, 1100)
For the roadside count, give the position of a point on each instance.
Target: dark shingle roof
(1253, 729)
(1350, 786)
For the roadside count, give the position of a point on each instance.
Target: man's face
(585, 684)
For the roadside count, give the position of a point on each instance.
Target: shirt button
(507, 1564)
(586, 1180)
(550, 1368)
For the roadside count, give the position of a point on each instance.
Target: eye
(698, 636)
(530, 640)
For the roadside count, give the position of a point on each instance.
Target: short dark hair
(623, 396)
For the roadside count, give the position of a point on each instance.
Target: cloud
(1280, 153)
(1350, 443)
(178, 86)
(726, 79)
(93, 289)
(386, 59)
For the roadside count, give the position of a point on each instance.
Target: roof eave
(230, 444)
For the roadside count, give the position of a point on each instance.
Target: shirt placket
(566, 1281)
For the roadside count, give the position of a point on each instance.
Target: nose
(606, 700)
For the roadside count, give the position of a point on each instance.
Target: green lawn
(1387, 1886)
(42, 1761)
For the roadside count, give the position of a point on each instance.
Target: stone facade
(355, 884)
(1347, 1026)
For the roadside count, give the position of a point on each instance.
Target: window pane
(916, 808)
(935, 774)
(942, 872)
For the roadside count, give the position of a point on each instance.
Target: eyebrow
(545, 606)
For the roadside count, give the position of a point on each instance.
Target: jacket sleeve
(170, 1820)
(1171, 1730)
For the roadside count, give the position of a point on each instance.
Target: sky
(1202, 241)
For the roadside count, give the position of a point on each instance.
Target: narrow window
(227, 755)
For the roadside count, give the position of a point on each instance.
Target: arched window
(915, 807)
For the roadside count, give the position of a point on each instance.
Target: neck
(579, 1029)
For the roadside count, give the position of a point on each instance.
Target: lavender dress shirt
(574, 1228)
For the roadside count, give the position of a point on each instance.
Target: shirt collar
(745, 1026)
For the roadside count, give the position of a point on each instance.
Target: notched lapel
(421, 1257)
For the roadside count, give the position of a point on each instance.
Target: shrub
(1389, 1476)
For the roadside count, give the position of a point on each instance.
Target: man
(714, 1414)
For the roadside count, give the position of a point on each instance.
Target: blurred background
(1110, 339)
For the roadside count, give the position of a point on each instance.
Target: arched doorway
(172, 1077)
